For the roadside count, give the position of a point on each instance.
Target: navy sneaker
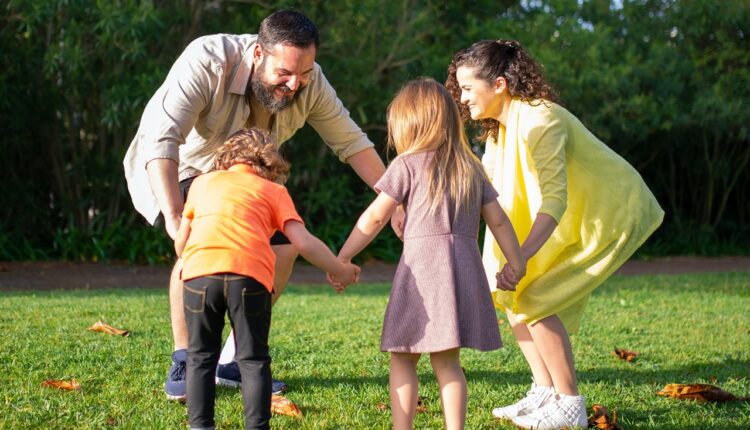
(228, 375)
(175, 387)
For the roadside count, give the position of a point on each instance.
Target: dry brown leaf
(282, 406)
(625, 354)
(106, 328)
(71, 385)
(381, 407)
(702, 392)
(602, 420)
(421, 407)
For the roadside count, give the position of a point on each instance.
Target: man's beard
(264, 93)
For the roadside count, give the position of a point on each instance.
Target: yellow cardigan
(547, 161)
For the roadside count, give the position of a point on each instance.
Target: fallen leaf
(602, 420)
(625, 354)
(282, 406)
(702, 392)
(381, 407)
(71, 385)
(421, 407)
(500, 321)
(106, 328)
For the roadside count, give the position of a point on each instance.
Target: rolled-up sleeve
(332, 121)
(173, 111)
(546, 137)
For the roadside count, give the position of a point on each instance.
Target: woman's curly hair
(491, 59)
(254, 147)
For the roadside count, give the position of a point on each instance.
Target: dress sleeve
(489, 193)
(546, 136)
(285, 210)
(396, 181)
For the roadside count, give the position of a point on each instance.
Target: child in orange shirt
(228, 267)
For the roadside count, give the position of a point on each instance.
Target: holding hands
(507, 278)
(348, 274)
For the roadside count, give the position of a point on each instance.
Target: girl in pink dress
(440, 300)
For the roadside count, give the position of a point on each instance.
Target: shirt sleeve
(396, 181)
(285, 210)
(546, 137)
(331, 120)
(489, 158)
(174, 109)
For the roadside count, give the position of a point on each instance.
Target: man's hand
(397, 221)
(172, 224)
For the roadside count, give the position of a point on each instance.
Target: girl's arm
(501, 228)
(368, 226)
(181, 237)
(317, 253)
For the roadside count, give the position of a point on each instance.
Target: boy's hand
(507, 279)
(349, 274)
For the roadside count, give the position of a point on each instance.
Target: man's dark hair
(288, 28)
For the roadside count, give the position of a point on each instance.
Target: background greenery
(326, 347)
(666, 83)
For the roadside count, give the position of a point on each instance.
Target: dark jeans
(248, 304)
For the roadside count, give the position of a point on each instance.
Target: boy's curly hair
(256, 148)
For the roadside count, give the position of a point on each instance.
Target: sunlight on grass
(688, 329)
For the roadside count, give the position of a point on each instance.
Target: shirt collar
(244, 70)
(246, 168)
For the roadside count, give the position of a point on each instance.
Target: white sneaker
(536, 397)
(564, 412)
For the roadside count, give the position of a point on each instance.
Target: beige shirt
(202, 102)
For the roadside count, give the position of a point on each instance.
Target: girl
(228, 267)
(440, 300)
(580, 209)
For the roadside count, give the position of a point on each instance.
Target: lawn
(687, 329)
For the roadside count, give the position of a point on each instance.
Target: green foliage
(326, 347)
(666, 83)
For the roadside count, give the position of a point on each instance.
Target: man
(219, 84)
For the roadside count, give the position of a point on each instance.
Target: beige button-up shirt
(202, 102)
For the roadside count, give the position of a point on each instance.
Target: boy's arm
(368, 226)
(182, 235)
(317, 253)
(501, 228)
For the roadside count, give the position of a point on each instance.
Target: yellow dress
(546, 161)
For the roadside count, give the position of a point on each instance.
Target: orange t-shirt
(234, 213)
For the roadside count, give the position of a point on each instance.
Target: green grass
(688, 329)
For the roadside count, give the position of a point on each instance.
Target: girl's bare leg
(403, 387)
(453, 390)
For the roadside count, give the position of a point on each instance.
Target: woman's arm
(499, 224)
(543, 227)
(368, 226)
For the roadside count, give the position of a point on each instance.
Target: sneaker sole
(182, 398)
(227, 382)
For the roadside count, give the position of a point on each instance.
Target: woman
(579, 209)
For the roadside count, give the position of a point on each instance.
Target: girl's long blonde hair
(423, 117)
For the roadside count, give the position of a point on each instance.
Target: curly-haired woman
(579, 209)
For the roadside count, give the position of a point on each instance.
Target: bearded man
(218, 85)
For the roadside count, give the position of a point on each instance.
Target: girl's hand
(506, 279)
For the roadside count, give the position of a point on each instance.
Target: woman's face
(482, 99)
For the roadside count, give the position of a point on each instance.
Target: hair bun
(511, 45)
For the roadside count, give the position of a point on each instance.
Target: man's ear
(257, 54)
(501, 84)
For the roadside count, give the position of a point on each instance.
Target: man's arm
(162, 175)
(368, 166)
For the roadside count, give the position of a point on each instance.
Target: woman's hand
(507, 279)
